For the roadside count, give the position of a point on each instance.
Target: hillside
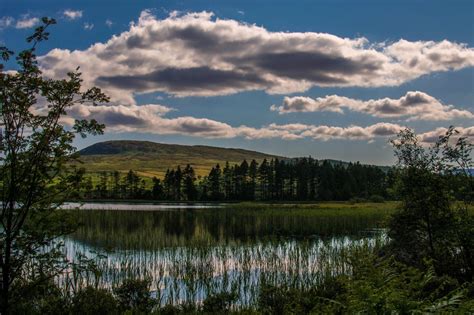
(153, 159)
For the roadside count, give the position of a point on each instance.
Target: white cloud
(109, 23)
(72, 14)
(151, 118)
(413, 105)
(6, 21)
(88, 26)
(26, 22)
(433, 135)
(198, 54)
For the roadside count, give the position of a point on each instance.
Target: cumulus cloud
(109, 23)
(26, 22)
(413, 105)
(198, 54)
(432, 136)
(72, 14)
(151, 118)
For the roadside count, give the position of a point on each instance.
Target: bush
(377, 199)
(134, 295)
(357, 200)
(383, 285)
(219, 303)
(318, 300)
(92, 301)
(38, 298)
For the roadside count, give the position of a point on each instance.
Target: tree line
(303, 179)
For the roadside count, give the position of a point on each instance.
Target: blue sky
(212, 79)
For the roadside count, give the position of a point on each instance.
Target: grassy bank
(311, 208)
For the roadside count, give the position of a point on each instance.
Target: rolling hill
(153, 159)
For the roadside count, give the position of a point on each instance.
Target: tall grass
(190, 274)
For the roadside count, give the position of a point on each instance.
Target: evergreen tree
(215, 183)
(177, 183)
(253, 173)
(157, 191)
(116, 190)
(189, 187)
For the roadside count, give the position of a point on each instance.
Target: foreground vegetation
(371, 284)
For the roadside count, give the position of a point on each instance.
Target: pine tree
(189, 187)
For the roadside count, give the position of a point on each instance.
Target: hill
(153, 159)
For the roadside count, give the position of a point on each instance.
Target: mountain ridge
(153, 159)
(139, 146)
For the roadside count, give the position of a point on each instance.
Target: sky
(327, 79)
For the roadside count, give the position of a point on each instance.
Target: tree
(168, 182)
(431, 223)
(178, 178)
(189, 187)
(253, 172)
(132, 181)
(215, 183)
(157, 189)
(36, 155)
(116, 188)
(228, 182)
(102, 185)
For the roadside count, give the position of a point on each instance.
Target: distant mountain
(153, 159)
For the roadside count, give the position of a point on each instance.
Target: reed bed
(190, 274)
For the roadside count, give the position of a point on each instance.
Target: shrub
(92, 301)
(219, 303)
(134, 295)
(357, 200)
(377, 199)
(38, 298)
(319, 299)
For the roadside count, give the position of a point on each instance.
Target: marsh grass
(192, 254)
(239, 250)
(182, 275)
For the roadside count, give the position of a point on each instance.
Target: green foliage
(378, 285)
(92, 301)
(134, 296)
(36, 164)
(376, 199)
(39, 298)
(430, 224)
(299, 180)
(219, 303)
(382, 285)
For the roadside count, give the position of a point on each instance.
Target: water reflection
(191, 253)
(152, 230)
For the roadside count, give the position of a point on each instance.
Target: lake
(189, 252)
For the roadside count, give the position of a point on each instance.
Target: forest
(303, 179)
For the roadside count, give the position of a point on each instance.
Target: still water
(188, 253)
